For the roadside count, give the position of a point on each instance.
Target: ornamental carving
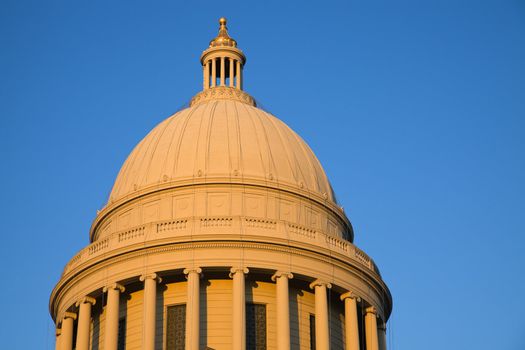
(222, 93)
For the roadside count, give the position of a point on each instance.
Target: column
(193, 308)
(206, 75)
(232, 70)
(239, 76)
(112, 315)
(322, 336)
(58, 332)
(66, 338)
(223, 71)
(84, 322)
(149, 307)
(381, 330)
(372, 342)
(238, 308)
(283, 309)
(351, 327)
(213, 72)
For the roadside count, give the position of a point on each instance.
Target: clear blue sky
(416, 110)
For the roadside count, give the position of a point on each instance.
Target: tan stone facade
(221, 232)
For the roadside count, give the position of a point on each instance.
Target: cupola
(222, 65)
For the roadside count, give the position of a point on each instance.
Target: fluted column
(232, 70)
(372, 342)
(193, 308)
(58, 333)
(351, 327)
(150, 301)
(84, 322)
(223, 71)
(381, 330)
(283, 309)
(322, 336)
(66, 338)
(239, 308)
(239, 76)
(112, 315)
(213, 72)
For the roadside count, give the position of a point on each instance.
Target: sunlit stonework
(221, 232)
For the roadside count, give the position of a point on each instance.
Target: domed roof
(222, 140)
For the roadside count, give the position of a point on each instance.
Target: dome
(222, 141)
(224, 193)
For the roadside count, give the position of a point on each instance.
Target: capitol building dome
(221, 232)
(222, 140)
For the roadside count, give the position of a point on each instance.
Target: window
(176, 327)
(255, 327)
(121, 344)
(312, 332)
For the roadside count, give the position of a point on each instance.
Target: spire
(222, 65)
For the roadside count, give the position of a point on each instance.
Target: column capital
(236, 269)
(114, 286)
(70, 315)
(152, 276)
(350, 295)
(189, 270)
(371, 310)
(320, 283)
(279, 274)
(85, 300)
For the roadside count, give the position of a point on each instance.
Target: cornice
(80, 272)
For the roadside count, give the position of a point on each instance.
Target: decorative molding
(197, 270)
(237, 269)
(86, 300)
(68, 314)
(222, 93)
(279, 274)
(114, 286)
(320, 283)
(152, 276)
(371, 310)
(350, 295)
(372, 280)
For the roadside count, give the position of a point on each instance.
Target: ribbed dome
(222, 141)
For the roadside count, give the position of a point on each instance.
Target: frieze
(222, 93)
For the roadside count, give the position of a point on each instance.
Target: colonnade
(219, 64)
(374, 334)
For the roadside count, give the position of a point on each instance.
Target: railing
(129, 234)
(261, 223)
(172, 225)
(301, 230)
(222, 227)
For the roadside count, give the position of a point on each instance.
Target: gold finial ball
(222, 21)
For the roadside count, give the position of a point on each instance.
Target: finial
(223, 38)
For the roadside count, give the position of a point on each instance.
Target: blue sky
(416, 110)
